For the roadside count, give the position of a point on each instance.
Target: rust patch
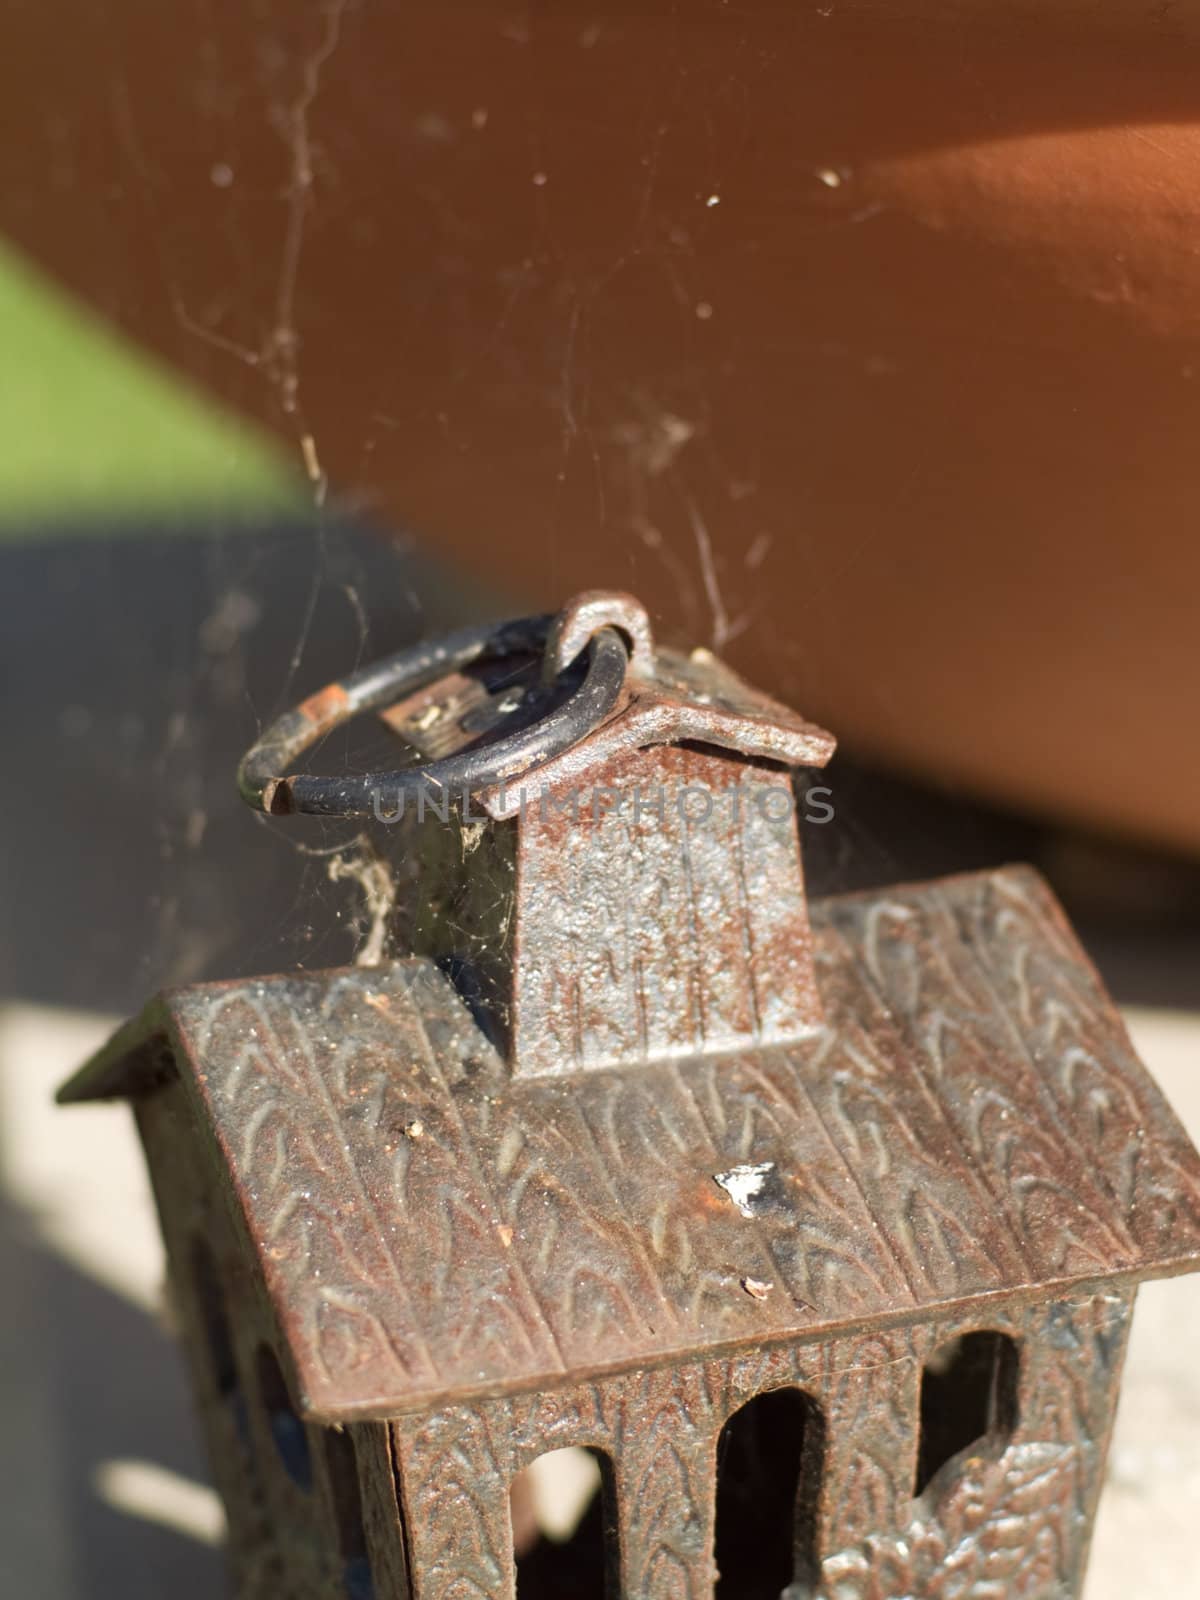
(324, 708)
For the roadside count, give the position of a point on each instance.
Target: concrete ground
(104, 1483)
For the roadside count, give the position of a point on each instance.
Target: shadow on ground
(88, 1378)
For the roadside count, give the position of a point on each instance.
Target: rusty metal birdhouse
(819, 1227)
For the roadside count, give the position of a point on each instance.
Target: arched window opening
(968, 1402)
(342, 1468)
(564, 1527)
(287, 1430)
(769, 1460)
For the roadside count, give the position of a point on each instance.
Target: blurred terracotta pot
(860, 339)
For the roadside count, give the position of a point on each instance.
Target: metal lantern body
(697, 1143)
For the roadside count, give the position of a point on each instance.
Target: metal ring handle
(259, 775)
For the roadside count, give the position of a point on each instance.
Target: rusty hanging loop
(602, 660)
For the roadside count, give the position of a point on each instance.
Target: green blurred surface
(91, 426)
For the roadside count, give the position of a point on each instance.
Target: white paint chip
(744, 1184)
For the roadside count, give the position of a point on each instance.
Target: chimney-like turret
(640, 896)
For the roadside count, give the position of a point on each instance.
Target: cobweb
(138, 862)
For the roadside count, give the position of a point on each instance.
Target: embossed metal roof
(971, 1123)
